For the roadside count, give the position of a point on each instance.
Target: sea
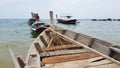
(16, 34)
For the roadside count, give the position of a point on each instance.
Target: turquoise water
(16, 34)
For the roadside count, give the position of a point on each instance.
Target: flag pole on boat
(52, 20)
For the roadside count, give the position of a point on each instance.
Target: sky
(80, 9)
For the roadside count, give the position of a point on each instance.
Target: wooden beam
(50, 42)
(102, 62)
(64, 58)
(91, 42)
(62, 52)
(76, 36)
(48, 33)
(62, 47)
(43, 40)
(38, 48)
(21, 62)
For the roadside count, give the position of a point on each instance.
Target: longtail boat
(36, 26)
(60, 48)
(54, 50)
(66, 21)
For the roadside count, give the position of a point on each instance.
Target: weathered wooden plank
(101, 62)
(70, 34)
(50, 42)
(64, 58)
(103, 42)
(73, 64)
(38, 48)
(95, 59)
(34, 61)
(112, 65)
(62, 47)
(33, 58)
(76, 36)
(62, 31)
(101, 46)
(84, 39)
(62, 52)
(21, 62)
(65, 41)
(46, 37)
(91, 42)
(48, 33)
(43, 40)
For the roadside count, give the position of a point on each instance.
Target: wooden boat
(31, 21)
(60, 48)
(72, 21)
(36, 26)
(54, 50)
(66, 21)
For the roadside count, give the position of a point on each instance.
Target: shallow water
(16, 34)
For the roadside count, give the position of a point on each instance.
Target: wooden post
(51, 20)
(13, 57)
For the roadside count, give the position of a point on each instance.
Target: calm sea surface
(16, 34)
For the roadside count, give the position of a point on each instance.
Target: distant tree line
(108, 19)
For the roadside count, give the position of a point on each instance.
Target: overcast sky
(81, 9)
